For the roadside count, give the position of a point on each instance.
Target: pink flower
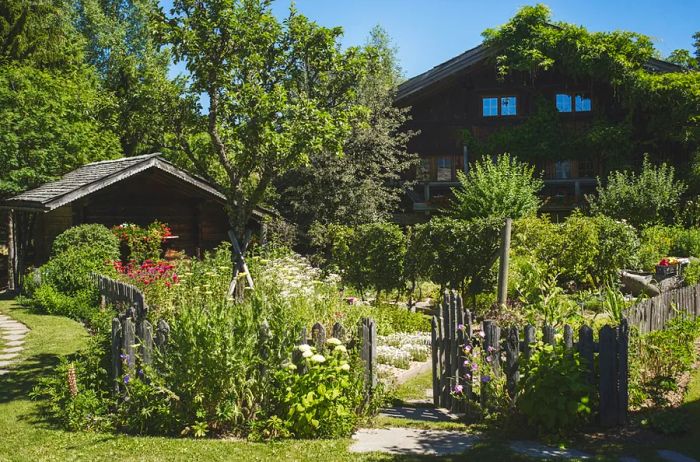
(482, 334)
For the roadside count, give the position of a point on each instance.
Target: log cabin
(136, 190)
(463, 100)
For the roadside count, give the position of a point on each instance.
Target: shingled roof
(98, 175)
(477, 54)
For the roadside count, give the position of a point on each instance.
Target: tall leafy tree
(279, 92)
(52, 109)
(123, 45)
(365, 184)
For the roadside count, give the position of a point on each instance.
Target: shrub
(319, 393)
(580, 248)
(649, 198)
(502, 188)
(72, 271)
(98, 238)
(142, 243)
(656, 243)
(80, 305)
(556, 377)
(618, 247)
(691, 274)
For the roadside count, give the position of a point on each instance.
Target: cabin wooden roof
(93, 177)
(469, 58)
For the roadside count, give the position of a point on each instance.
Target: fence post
(318, 336)
(512, 363)
(568, 337)
(503, 264)
(434, 350)
(548, 333)
(162, 335)
(146, 342)
(338, 332)
(491, 341)
(622, 371)
(445, 354)
(368, 336)
(585, 351)
(607, 361)
(116, 352)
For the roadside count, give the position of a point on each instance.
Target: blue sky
(430, 32)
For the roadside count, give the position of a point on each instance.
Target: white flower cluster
(416, 345)
(294, 275)
(393, 356)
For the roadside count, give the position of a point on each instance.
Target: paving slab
(6, 363)
(5, 357)
(673, 456)
(540, 451)
(17, 328)
(13, 337)
(15, 349)
(424, 414)
(14, 343)
(412, 441)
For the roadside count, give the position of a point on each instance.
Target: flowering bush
(393, 356)
(319, 394)
(154, 278)
(142, 243)
(398, 349)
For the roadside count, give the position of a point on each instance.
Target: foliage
(79, 305)
(457, 253)
(656, 243)
(132, 67)
(614, 303)
(648, 198)
(142, 243)
(555, 376)
(551, 304)
(502, 188)
(370, 255)
(364, 185)
(72, 271)
(63, 132)
(691, 274)
(97, 238)
(287, 95)
(319, 395)
(658, 358)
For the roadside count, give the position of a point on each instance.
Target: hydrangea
(318, 358)
(304, 347)
(345, 367)
(333, 341)
(341, 349)
(307, 354)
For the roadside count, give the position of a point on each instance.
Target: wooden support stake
(503, 263)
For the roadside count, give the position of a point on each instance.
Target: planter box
(663, 272)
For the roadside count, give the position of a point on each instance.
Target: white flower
(341, 348)
(304, 347)
(318, 358)
(308, 354)
(333, 341)
(345, 367)
(290, 366)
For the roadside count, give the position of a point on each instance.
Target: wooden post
(503, 263)
(146, 342)
(128, 342)
(434, 346)
(607, 360)
(585, 351)
(116, 352)
(548, 335)
(162, 335)
(568, 337)
(512, 363)
(240, 263)
(12, 281)
(446, 352)
(622, 372)
(338, 331)
(318, 336)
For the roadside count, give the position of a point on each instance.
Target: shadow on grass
(18, 383)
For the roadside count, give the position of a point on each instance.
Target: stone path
(12, 333)
(412, 441)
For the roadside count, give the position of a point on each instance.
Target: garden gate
(452, 329)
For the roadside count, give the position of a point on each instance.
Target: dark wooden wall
(199, 221)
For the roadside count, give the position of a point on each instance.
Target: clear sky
(427, 33)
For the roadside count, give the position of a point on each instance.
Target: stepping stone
(673, 456)
(13, 337)
(16, 349)
(15, 327)
(424, 414)
(540, 451)
(412, 441)
(14, 343)
(6, 363)
(4, 371)
(8, 356)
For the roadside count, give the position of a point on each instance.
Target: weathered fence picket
(653, 313)
(451, 330)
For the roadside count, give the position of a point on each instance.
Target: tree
(278, 93)
(133, 66)
(501, 188)
(364, 185)
(648, 198)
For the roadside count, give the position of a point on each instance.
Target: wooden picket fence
(452, 328)
(133, 336)
(653, 313)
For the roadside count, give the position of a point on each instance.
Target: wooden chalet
(136, 190)
(462, 98)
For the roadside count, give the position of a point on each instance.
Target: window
(509, 106)
(583, 103)
(444, 169)
(499, 106)
(564, 102)
(490, 107)
(562, 169)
